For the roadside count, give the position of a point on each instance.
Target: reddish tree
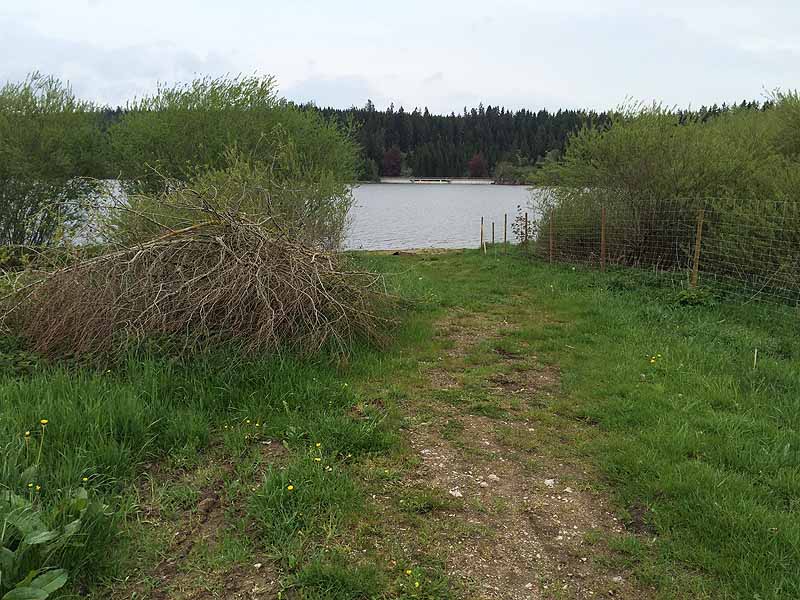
(392, 162)
(477, 166)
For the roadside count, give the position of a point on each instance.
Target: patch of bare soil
(530, 522)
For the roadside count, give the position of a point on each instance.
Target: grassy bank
(312, 469)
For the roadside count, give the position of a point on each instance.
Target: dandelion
(30, 485)
(290, 487)
(318, 444)
(408, 571)
(247, 421)
(258, 424)
(85, 479)
(43, 423)
(27, 434)
(317, 459)
(416, 584)
(38, 488)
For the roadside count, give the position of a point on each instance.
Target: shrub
(203, 275)
(653, 170)
(49, 141)
(218, 128)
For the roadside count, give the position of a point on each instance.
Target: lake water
(397, 216)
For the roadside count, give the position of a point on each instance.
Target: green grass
(700, 444)
(699, 450)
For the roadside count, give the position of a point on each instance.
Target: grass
(698, 448)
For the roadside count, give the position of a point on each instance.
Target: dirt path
(489, 486)
(537, 527)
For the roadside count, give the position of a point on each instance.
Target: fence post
(602, 238)
(481, 245)
(492, 233)
(505, 228)
(698, 238)
(552, 237)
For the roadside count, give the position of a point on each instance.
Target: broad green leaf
(72, 528)
(40, 537)
(6, 561)
(26, 593)
(50, 581)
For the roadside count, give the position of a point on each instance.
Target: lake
(397, 216)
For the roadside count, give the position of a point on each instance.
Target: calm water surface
(396, 216)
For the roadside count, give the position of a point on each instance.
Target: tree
(477, 166)
(392, 162)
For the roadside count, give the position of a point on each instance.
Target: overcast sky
(444, 54)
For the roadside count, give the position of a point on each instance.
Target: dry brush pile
(223, 279)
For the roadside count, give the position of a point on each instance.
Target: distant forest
(487, 141)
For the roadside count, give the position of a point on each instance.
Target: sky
(440, 54)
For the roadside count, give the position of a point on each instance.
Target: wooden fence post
(481, 245)
(492, 233)
(698, 238)
(505, 228)
(603, 238)
(552, 236)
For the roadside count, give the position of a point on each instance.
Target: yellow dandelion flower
(258, 424)
(247, 421)
(38, 487)
(416, 584)
(318, 459)
(30, 485)
(290, 487)
(408, 571)
(44, 421)
(27, 434)
(85, 479)
(318, 444)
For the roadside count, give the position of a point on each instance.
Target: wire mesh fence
(747, 250)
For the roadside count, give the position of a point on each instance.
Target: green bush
(49, 142)
(653, 170)
(223, 132)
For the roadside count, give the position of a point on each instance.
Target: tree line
(479, 142)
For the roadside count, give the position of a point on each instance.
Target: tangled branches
(223, 279)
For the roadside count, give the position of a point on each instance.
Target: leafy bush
(49, 140)
(653, 170)
(218, 129)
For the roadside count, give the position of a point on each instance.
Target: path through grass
(632, 444)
